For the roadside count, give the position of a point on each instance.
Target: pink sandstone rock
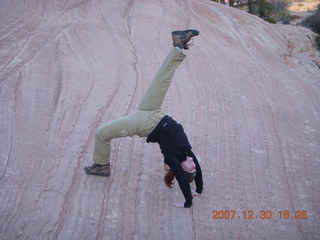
(248, 96)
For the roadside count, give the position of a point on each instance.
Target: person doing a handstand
(148, 121)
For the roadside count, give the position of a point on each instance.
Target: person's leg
(160, 84)
(145, 119)
(139, 123)
(122, 127)
(102, 147)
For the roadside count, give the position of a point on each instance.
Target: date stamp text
(262, 214)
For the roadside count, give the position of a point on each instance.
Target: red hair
(168, 177)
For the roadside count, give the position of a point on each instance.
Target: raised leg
(153, 98)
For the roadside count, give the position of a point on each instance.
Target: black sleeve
(181, 177)
(198, 178)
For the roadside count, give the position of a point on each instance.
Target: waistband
(152, 137)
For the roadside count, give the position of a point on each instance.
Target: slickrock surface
(247, 95)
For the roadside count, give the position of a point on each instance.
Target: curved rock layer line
(247, 94)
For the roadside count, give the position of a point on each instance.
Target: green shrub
(317, 39)
(270, 19)
(275, 11)
(313, 22)
(284, 16)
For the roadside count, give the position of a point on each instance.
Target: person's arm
(182, 179)
(198, 178)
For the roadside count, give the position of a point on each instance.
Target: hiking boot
(98, 170)
(181, 38)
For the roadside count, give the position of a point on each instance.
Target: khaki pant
(146, 117)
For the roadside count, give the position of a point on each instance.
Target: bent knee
(102, 134)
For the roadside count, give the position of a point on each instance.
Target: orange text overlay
(262, 214)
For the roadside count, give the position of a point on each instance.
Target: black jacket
(175, 148)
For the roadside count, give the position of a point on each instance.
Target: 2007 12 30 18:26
(262, 214)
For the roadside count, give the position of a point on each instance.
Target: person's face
(188, 165)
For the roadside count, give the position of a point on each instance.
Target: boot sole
(194, 32)
(88, 171)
